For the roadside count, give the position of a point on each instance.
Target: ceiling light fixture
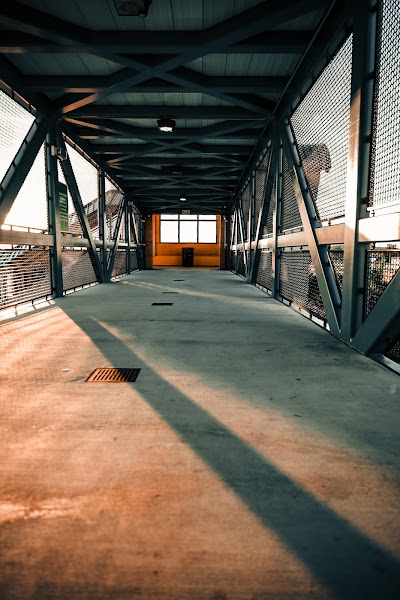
(166, 124)
(182, 198)
(132, 8)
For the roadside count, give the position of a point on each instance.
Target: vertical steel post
(358, 164)
(53, 206)
(128, 210)
(250, 227)
(103, 221)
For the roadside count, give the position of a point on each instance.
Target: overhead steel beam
(94, 111)
(150, 42)
(21, 165)
(194, 148)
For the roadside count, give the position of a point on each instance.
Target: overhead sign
(186, 212)
(63, 204)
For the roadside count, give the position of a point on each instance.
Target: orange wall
(205, 255)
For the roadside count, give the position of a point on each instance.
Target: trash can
(187, 257)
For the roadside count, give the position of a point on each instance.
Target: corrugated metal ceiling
(217, 68)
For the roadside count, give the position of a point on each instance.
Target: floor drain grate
(113, 375)
(162, 304)
(179, 279)
(170, 292)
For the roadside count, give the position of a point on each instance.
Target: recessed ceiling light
(166, 124)
(132, 8)
(182, 198)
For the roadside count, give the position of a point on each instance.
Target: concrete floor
(255, 458)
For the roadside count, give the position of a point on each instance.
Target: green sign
(63, 203)
(186, 212)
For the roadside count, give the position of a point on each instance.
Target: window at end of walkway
(184, 229)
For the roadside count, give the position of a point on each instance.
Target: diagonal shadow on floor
(347, 562)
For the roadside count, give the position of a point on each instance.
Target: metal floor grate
(113, 375)
(162, 304)
(170, 292)
(179, 280)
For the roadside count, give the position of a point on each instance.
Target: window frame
(176, 218)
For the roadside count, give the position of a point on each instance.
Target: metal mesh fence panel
(87, 182)
(246, 210)
(120, 263)
(260, 181)
(25, 275)
(77, 268)
(30, 206)
(298, 283)
(385, 166)
(264, 271)
(393, 352)
(232, 260)
(290, 215)
(381, 267)
(240, 264)
(74, 226)
(321, 126)
(336, 257)
(113, 200)
(15, 123)
(134, 260)
(238, 227)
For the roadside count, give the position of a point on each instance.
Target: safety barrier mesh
(25, 275)
(238, 228)
(381, 267)
(120, 263)
(385, 166)
(15, 123)
(336, 258)
(134, 260)
(246, 211)
(240, 264)
(113, 200)
(260, 181)
(74, 226)
(77, 268)
(264, 270)
(393, 351)
(298, 283)
(321, 126)
(232, 260)
(290, 215)
(86, 176)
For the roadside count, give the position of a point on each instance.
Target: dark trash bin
(187, 257)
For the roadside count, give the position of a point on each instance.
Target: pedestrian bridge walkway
(254, 457)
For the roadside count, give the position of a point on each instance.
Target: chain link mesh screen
(77, 268)
(393, 352)
(260, 181)
(25, 275)
(232, 260)
(321, 127)
(264, 270)
(240, 264)
(385, 166)
(290, 215)
(298, 283)
(238, 228)
(86, 176)
(336, 258)
(120, 263)
(134, 260)
(15, 123)
(381, 267)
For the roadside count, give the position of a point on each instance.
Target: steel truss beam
(80, 211)
(53, 207)
(319, 254)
